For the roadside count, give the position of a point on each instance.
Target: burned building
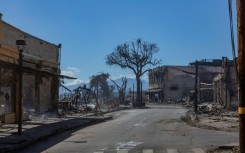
(171, 83)
(226, 86)
(41, 69)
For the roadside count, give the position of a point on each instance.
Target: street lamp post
(20, 46)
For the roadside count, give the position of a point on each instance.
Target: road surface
(158, 129)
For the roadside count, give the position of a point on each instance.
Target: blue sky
(184, 30)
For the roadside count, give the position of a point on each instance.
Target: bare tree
(135, 56)
(121, 89)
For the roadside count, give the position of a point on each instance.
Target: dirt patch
(211, 122)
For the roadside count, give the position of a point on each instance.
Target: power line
(232, 37)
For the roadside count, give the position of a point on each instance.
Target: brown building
(175, 82)
(41, 70)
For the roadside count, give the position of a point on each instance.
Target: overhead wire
(232, 38)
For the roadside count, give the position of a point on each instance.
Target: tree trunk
(138, 89)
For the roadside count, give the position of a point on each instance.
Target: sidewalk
(40, 128)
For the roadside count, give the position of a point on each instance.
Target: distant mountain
(130, 83)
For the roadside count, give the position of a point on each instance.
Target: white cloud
(70, 71)
(74, 69)
(74, 82)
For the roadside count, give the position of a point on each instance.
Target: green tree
(136, 56)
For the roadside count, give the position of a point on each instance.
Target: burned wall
(206, 74)
(41, 62)
(28, 93)
(156, 77)
(206, 95)
(178, 87)
(177, 81)
(7, 85)
(226, 88)
(45, 94)
(36, 50)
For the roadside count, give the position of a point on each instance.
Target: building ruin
(171, 83)
(41, 70)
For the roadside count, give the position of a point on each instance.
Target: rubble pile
(224, 150)
(185, 101)
(113, 104)
(64, 112)
(73, 109)
(211, 108)
(215, 109)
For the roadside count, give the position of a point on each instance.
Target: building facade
(41, 70)
(171, 83)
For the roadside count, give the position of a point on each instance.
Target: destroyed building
(226, 86)
(41, 70)
(171, 83)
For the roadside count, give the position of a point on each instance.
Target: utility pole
(196, 90)
(133, 93)
(20, 46)
(141, 92)
(241, 71)
(20, 92)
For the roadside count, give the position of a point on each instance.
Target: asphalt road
(155, 130)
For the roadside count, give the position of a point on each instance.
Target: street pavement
(40, 129)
